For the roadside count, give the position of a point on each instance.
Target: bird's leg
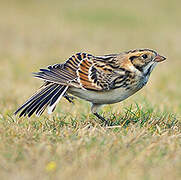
(101, 118)
(69, 98)
(94, 110)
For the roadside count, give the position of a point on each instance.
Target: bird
(101, 80)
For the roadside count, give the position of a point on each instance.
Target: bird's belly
(103, 97)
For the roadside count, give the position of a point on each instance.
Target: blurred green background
(37, 33)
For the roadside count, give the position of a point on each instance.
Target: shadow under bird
(100, 80)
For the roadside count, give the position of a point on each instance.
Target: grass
(144, 141)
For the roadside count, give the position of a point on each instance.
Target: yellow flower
(51, 166)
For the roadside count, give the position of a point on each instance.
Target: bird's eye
(144, 56)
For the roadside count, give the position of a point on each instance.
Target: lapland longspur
(100, 80)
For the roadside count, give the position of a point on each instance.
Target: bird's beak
(159, 58)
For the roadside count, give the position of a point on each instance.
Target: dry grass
(145, 141)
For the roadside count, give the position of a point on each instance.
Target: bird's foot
(106, 122)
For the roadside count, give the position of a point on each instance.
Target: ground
(145, 139)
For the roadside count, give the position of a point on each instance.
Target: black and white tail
(47, 97)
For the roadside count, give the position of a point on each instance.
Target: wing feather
(64, 73)
(99, 73)
(84, 71)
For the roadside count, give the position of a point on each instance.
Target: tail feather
(41, 111)
(56, 99)
(47, 100)
(43, 101)
(30, 104)
(49, 95)
(42, 90)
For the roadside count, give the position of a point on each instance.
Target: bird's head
(144, 60)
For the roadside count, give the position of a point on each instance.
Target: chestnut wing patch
(85, 74)
(94, 75)
(72, 64)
